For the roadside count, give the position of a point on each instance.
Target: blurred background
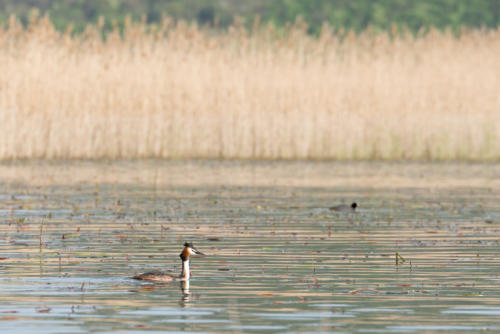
(345, 14)
(218, 79)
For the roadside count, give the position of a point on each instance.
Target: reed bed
(179, 91)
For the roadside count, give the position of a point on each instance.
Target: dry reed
(178, 91)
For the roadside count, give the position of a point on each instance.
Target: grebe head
(354, 205)
(188, 251)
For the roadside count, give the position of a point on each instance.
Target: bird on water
(159, 276)
(344, 207)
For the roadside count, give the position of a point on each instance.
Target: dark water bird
(344, 207)
(159, 276)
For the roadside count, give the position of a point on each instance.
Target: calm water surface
(278, 261)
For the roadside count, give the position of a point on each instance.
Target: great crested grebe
(158, 276)
(344, 207)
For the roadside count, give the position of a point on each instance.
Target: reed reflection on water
(278, 260)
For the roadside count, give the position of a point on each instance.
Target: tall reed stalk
(179, 91)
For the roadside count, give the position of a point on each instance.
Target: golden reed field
(181, 91)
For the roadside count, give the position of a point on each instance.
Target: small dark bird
(344, 207)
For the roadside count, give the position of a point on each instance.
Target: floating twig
(41, 233)
(352, 292)
(399, 258)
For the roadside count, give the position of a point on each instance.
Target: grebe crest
(158, 276)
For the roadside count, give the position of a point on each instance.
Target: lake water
(278, 261)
